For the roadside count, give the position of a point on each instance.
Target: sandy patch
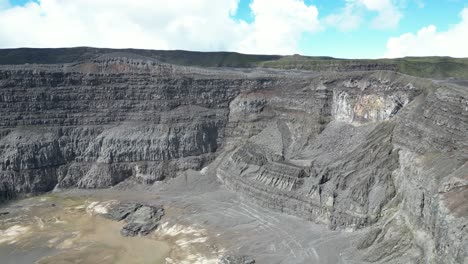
(12, 234)
(100, 208)
(191, 244)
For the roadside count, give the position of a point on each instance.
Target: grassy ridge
(433, 67)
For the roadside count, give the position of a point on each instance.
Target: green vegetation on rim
(433, 67)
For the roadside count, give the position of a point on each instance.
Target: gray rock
(144, 220)
(122, 211)
(140, 219)
(233, 259)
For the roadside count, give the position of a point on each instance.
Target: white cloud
(278, 26)
(348, 19)
(158, 24)
(351, 16)
(388, 14)
(430, 42)
(119, 23)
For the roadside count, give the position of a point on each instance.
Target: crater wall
(372, 150)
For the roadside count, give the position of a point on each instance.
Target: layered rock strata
(350, 150)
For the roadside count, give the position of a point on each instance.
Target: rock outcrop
(375, 150)
(232, 259)
(140, 219)
(388, 151)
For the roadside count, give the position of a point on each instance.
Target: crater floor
(203, 222)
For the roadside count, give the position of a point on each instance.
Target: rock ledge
(140, 219)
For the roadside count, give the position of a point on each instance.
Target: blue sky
(367, 41)
(342, 28)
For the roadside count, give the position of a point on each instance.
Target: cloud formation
(158, 24)
(388, 15)
(430, 42)
(351, 16)
(348, 19)
(278, 26)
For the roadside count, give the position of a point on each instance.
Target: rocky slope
(372, 149)
(378, 150)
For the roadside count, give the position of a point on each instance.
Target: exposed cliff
(374, 149)
(380, 150)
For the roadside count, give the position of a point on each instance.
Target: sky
(338, 28)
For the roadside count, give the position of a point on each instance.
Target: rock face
(93, 130)
(375, 150)
(140, 219)
(231, 259)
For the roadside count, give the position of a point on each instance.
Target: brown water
(60, 230)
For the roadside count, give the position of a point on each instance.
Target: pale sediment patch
(100, 208)
(53, 241)
(40, 222)
(69, 242)
(191, 244)
(13, 233)
(193, 259)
